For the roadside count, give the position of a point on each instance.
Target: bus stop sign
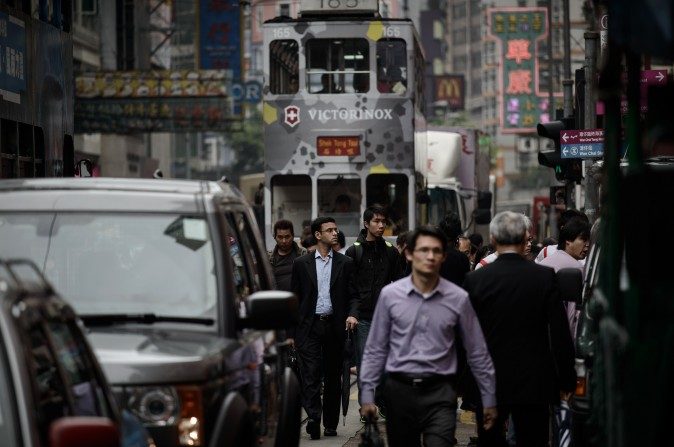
(588, 143)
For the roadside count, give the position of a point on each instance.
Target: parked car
(52, 389)
(174, 286)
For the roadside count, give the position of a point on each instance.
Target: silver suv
(171, 279)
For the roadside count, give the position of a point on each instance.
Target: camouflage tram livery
(343, 119)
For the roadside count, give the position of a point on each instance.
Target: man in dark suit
(523, 320)
(323, 284)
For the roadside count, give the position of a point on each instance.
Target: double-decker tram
(36, 89)
(343, 116)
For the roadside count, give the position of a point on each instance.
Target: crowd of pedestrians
(436, 316)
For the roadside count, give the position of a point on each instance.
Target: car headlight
(181, 406)
(155, 406)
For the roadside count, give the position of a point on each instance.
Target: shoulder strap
(358, 255)
(391, 252)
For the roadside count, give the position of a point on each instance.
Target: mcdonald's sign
(451, 88)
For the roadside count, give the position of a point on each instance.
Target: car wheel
(234, 425)
(289, 424)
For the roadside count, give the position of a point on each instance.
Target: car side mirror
(271, 309)
(570, 282)
(84, 432)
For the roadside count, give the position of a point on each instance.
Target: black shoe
(330, 432)
(314, 429)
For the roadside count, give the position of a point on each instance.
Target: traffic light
(565, 169)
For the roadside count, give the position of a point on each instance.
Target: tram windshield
(391, 192)
(339, 197)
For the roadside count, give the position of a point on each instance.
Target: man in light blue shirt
(328, 300)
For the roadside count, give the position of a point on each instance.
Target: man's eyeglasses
(427, 250)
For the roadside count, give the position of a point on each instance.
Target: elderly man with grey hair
(527, 249)
(517, 303)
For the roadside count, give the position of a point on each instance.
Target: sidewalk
(348, 435)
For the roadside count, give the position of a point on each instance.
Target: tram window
(291, 200)
(283, 67)
(338, 66)
(391, 66)
(390, 191)
(339, 197)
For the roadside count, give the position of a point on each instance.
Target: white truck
(457, 177)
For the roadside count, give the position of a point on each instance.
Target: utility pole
(591, 168)
(570, 186)
(551, 98)
(567, 40)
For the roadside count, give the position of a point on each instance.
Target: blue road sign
(583, 150)
(587, 143)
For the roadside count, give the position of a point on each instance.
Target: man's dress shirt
(413, 333)
(323, 275)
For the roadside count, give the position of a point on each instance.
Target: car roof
(112, 194)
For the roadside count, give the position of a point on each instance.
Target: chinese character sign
(518, 30)
(219, 36)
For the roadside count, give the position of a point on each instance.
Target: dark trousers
(415, 411)
(322, 347)
(362, 331)
(530, 421)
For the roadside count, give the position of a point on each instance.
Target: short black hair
(401, 239)
(569, 214)
(370, 212)
(318, 222)
(573, 229)
(284, 224)
(476, 239)
(426, 230)
(309, 241)
(451, 226)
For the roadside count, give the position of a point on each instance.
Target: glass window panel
(291, 200)
(391, 66)
(283, 67)
(390, 191)
(337, 66)
(339, 197)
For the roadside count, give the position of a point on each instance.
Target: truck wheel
(289, 424)
(234, 426)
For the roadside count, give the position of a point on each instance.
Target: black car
(52, 390)
(173, 284)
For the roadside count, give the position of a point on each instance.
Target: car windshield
(120, 263)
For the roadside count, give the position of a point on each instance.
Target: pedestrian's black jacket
(282, 273)
(377, 265)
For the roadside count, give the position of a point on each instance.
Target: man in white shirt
(574, 242)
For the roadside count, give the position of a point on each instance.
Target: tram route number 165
(339, 4)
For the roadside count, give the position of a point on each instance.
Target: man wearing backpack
(376, 263)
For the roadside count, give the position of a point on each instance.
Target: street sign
(588, 143)
(648, 77)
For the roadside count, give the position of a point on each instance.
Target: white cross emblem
(292, 115)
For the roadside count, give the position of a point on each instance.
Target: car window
(120, 263)
(252, 251)
(243, 284)
(85, 388)
(51, 401)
